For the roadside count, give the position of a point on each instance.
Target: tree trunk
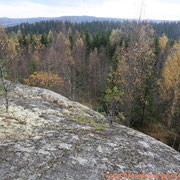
(143, 112)
(174, 141)
(4, 89)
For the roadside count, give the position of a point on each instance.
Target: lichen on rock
(46, 136)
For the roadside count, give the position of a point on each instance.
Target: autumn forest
(128, 71)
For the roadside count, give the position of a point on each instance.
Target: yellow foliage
(79, 42)
(170, 85)
(116, 36)
(163, 41)
(44, 79)
(171, 73)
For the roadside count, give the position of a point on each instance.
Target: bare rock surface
(46, 136)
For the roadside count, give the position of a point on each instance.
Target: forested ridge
(129, 71)
(170, 28)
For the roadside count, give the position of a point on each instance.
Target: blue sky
(151, 9)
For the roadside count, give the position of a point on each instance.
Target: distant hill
(42, 25)
(8, 22)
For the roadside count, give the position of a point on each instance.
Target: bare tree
(6, 56)
(6, 86)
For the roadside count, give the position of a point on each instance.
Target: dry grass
(157, 131)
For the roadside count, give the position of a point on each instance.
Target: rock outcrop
(46, 136)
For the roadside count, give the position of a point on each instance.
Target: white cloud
(119, 8)
(157, 9)
(29, 9)
(152, 9)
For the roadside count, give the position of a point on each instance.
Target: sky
(131, 9)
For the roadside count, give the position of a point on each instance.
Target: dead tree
(6, 57)
(6, 86)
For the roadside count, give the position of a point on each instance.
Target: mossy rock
(85, 120)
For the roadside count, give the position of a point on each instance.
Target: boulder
(46, 136)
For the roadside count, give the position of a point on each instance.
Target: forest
(128, 71)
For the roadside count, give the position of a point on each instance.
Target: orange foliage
(44, 79)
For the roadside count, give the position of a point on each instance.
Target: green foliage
(71, 40)
(44, 39)
(112, 100)
(156, 47)
(131, 82)
(82, 120)
(32, 68)
(114, 61)
(3, 69)
(113, 95)
(120, 118)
